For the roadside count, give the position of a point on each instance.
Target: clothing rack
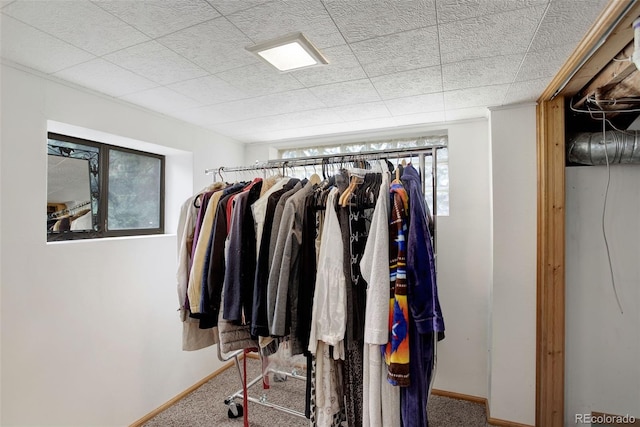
(324, 160)
(333, 159)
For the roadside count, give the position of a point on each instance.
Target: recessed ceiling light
(288, 53)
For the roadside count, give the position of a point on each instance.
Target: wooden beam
(627, 88)
(550, 266)
(612, 74)
(616, 41)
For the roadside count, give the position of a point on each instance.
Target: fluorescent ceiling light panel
(288, 53)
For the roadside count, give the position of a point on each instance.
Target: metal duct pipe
(623, 147)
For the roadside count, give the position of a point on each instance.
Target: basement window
(442, 161)
(97, 190)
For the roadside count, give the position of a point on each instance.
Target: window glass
(134, 191)
(442, 190)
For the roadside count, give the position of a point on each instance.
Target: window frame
(400, 142)
(103, 231)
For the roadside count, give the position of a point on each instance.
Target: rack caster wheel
(235, 410)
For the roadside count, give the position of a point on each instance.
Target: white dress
(329, 321)
(381, 400)
(329, 314)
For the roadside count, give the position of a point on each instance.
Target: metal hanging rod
(330, 158)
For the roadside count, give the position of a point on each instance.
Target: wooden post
(551, 268)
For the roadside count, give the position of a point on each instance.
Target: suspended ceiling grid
(392, 63)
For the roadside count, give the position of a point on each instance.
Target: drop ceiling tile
(259, 79)
(157, 18)
(155, 62)
(343, 66)
(215, 45)
(78, 22)
(526, 91)
(419, 118)
(4, 3)
(466, 113)
(161, 99)
(274, 19)
(208, 116)
(227, 7)
(358, 20)
(565, 23)
(543, 63)
(415, 104)
(481, 72)
(105, 77)
(364, 111)
(457, 10)
(32, 48)
(262, 106)
(327, 129)
(399, 52)
(346, 93)
(287, 102)
(475, 97)
(408, 83)
(490, 35)
(292, 120)
(208, 90)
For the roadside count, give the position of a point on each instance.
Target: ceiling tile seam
(235, 11)
(238, 28)
(489, 14)
(182, 56)
(245, 98)
(391, 34)
(79, 63)
(268, 115)
(50, 35)
(164, 35)
(473, 87)
(435, 5)
(295, 126)
(394, 73)
(524, 57)
(158, 85)
(78, 87)
(354, 55)
(169, 89)
(95, 3)
(519, 52)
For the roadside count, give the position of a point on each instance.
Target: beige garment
(267, 183)
(193, 338)
(329, 388)
(259, 210)
(233, 337)
(194, 289)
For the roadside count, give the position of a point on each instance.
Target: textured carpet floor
(205, 407)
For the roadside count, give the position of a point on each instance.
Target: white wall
(90, 332)
(513, 299)
(602, 345)
(464, 252)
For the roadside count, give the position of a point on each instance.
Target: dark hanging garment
(352, 367)
(214, 260)
(425, 320)
(259, 323)
(241, 258)
(307, 273)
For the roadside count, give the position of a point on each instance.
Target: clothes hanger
(314, 179)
